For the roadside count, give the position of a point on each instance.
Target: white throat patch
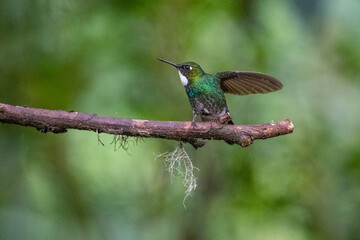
(183, 79)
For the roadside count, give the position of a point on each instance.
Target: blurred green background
(100, 57)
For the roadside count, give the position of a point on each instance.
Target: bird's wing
(244, 83)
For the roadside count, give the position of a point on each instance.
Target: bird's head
(188, 71)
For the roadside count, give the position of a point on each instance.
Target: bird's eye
(187, 67)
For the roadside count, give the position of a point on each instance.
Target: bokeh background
(100, 57)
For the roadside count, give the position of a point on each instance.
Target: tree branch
(59, 121)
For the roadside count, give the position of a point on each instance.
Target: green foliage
(100, 56)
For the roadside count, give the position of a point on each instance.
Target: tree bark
(58, 121)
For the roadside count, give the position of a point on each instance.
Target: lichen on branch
(179, 164)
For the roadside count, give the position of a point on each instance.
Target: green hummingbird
(206, 91)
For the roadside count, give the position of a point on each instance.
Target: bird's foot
(193, 121)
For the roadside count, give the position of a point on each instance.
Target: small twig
(59, 121)
(98, 138)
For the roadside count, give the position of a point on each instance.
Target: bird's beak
(171, 63)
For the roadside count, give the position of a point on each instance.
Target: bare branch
(57, 121)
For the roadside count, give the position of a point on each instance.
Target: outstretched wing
(244, 83)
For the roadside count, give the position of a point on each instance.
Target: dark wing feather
(244, 83)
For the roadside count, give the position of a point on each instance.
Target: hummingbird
(206, 91)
